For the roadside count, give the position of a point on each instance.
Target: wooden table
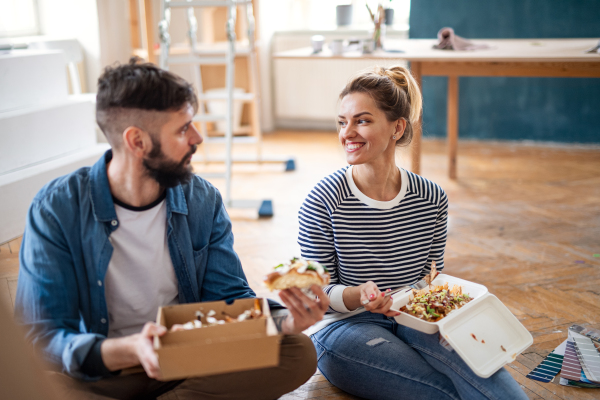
(506, 57)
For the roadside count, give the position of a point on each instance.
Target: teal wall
(545, 109)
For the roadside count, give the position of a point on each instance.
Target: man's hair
(137, 94)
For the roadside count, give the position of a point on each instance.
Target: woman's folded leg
(361, 355)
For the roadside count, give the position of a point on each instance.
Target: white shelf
(242, 47)
(17, 189)
(246, 97)
(42, 132)
(32, 77)
(235, 139)
(193, 59)
(204, 3)
(208, 118)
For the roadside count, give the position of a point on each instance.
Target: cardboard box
(235, 346)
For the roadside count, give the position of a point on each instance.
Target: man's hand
(303, 311)
(144, 349)
(133, 350)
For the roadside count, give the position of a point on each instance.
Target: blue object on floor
(266, 209)
(290, 165)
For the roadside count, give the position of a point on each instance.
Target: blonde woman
(377, 227)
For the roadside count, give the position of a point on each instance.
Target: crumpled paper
(448, 40)
(595, 49)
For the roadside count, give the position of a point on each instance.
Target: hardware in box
(216, 348)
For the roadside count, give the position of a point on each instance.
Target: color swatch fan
(581, 365)
(550, 366)
(588, 357)
(571, 368)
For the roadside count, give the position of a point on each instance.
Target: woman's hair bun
(403, 79)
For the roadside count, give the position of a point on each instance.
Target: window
(18, 18)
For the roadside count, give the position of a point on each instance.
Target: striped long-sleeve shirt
(358, 239)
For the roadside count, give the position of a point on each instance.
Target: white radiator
(305, 92)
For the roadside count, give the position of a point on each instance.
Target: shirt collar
(102, 202)
(176, 200)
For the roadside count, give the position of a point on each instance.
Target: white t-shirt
(140, 276)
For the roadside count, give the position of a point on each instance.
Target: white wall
(269, 23)
(78, 19)
(101, 27)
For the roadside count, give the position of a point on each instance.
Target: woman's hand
(375, 300)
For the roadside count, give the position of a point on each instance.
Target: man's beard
(168, 173)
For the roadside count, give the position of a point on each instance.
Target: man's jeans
(371, 356)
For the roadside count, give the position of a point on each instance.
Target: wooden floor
(524, 221)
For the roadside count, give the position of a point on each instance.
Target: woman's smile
(353, 146)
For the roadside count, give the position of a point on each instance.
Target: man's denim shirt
(67, 247)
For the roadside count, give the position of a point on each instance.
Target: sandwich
(298, 273)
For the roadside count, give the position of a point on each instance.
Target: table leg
(417, 130)
(452, 124)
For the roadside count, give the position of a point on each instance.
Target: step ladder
(224, 55)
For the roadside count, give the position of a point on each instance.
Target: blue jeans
(371, 356)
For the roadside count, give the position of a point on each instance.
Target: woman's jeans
(371, 356)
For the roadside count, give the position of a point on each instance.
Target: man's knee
(299, 357)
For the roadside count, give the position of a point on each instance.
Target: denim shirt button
(99, 283)
(103, 320)
(114, 222)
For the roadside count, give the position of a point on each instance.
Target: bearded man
(104, 247)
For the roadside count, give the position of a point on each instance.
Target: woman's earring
(393, 137)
